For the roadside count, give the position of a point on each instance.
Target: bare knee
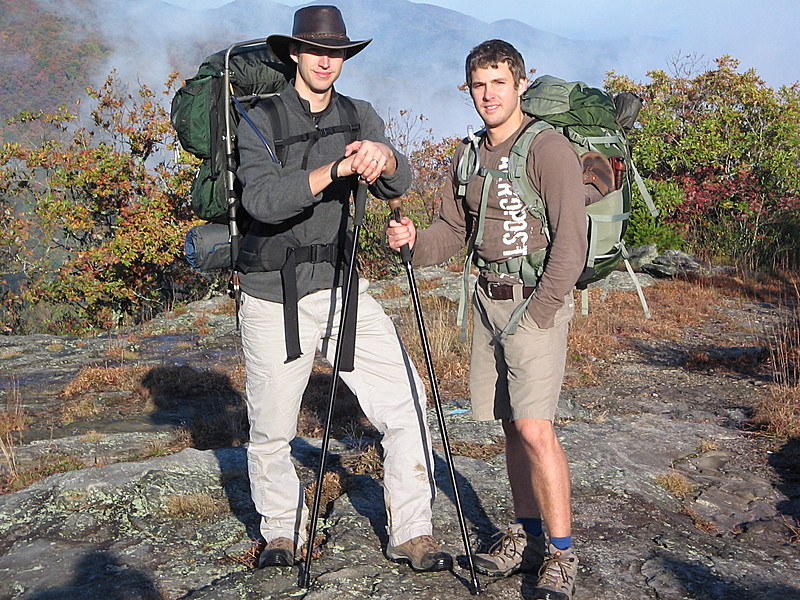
(537, 436)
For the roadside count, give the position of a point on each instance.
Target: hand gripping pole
(405, 256)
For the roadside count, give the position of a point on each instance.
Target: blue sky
(762, 35)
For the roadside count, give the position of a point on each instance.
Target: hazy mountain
(414, 63)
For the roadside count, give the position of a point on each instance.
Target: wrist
(335, 169)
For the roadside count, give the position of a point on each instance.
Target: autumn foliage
(721, 151)
(94, 210)
(94, 214)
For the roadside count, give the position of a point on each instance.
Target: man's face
(495, 94)
(317, 68)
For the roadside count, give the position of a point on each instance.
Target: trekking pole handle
(394, 206)
(359, 203)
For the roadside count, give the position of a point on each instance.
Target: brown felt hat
(321, 26)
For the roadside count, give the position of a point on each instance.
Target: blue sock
(561, 543)
(531, 526)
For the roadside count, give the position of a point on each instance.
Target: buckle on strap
(497, 290)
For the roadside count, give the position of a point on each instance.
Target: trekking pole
(360, 202)
(405, 256)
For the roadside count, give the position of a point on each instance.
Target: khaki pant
(518, 377)
(388, 389)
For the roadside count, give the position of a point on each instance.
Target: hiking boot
(515, 551)
(277, 553)
(557, 575)
(422, 553)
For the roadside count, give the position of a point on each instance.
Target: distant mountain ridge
(414, 63)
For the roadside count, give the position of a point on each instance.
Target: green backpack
(201, 113)
(595, 124)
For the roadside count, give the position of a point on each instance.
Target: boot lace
(556, 572)
(508, 540)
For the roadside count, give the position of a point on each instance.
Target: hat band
(322, 36)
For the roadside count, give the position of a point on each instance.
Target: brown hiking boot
(277, 553)
(515, 551)
(422, 553)
(557, 575)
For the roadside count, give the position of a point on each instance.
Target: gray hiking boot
(422, 553)
(277, 553)
(515, 551)
(557, 575)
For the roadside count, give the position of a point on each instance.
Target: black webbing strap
(347, 337)
(276, 110)
(315, 253)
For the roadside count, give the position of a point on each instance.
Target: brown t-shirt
(554, 170)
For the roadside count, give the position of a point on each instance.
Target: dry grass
(475, 449)
(348, 420)
(100, 379)
(48, 465)
(707, 446)
(201, 505)
(368, 462)
(12, 420)
(334, 485)
(676, 484)
(121, 348)
(449, 356)
(617, 319)
(225, 308)
(390, 290)
(218, 411)
(80, 396)
(778, 411)
(702, 524)
(794, 529)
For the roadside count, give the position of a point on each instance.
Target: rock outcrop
(182, 525)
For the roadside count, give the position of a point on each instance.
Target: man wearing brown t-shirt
(516, 377)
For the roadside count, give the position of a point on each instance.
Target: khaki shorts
(518, 377)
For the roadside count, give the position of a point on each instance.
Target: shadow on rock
(472, 507)
(786, 462)
(206, 404)
(102, 575)
(676, 578)
(203, 402)
(744, 360)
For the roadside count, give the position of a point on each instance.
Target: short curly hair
(490, 54)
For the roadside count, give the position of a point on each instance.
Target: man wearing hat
(301, 201)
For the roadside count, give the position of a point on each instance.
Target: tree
(429, 160)
(105, 205)
(722, 153)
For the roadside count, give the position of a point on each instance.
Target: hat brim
(279, 44)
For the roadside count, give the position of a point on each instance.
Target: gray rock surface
(116, 531)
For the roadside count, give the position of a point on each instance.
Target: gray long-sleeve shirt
(280, 198)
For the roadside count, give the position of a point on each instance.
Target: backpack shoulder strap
(348, 117)
(469, 165)
(518, 173)
(276, 111)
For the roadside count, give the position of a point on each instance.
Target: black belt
(502, 291)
